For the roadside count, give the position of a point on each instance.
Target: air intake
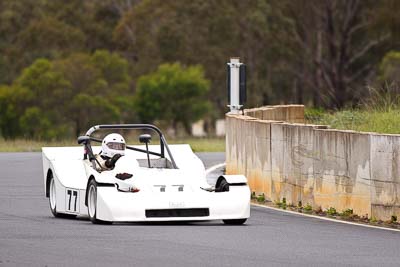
(198, 212)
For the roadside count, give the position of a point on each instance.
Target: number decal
(71, 200)
(76, 198)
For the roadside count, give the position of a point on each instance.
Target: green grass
(197, 144)
(202, 144)
(363, 120)
(21, 145)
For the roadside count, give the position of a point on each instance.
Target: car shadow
(85, 219)
(177, 223)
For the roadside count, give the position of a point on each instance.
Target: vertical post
(233, 85)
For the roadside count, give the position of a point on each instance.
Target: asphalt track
(31, 236)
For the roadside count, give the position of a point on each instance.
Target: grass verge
(363, 120)
(197, 144)
(202, 144)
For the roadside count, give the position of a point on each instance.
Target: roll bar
(163, 141)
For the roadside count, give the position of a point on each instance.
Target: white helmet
(113, 144)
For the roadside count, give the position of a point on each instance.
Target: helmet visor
(116, 146)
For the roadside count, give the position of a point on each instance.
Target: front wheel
(92, 203)
(235, 221)
(53, 201)
(222, 186)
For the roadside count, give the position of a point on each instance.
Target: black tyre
(92, 203)
(53, 202)
(235, 221)
(222, 186)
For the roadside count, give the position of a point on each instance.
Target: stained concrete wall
(287, 113)
(314, 164)
(385, 180)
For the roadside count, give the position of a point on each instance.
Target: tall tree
(335, 43)
(206, 33)
(59, 98)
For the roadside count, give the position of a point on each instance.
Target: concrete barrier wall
(313, 164)
(287, 113)
(385, 180)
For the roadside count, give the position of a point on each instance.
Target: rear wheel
(92, 203)
(53, 201)
(235, 221)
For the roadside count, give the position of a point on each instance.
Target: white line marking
(215, 167)
(326, 219)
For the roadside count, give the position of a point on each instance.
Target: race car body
(149, 183)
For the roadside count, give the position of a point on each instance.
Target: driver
(112, 148)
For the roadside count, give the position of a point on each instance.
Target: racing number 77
(72, 193)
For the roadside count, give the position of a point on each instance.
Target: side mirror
(84, 139)
(144, 138)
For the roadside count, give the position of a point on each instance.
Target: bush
(261, 198)
(173, 94)
(347, 213)
(389, 68)
(331, 211)
(307, 208)
(284, 205)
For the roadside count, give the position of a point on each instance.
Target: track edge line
(325, 218)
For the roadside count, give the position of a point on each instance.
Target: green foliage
(346, 119)
(48, 36)
(314, 114)
(99, 88)
(383, 99)
(100, 48)
(44, 82)
(34, 123)
(393, 219)
(331, 211)
(89, 110)
(261, 198)
(307, 208)
(347, 213)
(389, 68)
(12, 104)
(114, 70)
(31, 100)
(174, 94)
(53, 29)
(365, 120)
(212, 32)
(54, 99)
(284, 205)
(24, 145)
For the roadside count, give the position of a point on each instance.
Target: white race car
(155, 183)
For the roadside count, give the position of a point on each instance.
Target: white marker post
(234, 85)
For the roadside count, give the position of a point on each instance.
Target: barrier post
(236, 85)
